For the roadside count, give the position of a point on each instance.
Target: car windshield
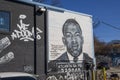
(18, 78)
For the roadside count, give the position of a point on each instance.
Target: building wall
(19, 48)
(28, 38)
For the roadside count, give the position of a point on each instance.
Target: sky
(107, 11)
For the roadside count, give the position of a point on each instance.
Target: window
(4, 21)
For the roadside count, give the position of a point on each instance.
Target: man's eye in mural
(77, 35)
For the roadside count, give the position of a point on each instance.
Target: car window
(18, 78)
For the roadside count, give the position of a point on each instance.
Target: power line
(97, 22)
(110, 25)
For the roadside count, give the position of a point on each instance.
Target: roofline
(52, 7)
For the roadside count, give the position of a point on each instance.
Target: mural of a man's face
(73, 39)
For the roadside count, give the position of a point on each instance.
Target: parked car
(16, 76)
(103, 64)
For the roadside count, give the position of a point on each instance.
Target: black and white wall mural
(70, 38)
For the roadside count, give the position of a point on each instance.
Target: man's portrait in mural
(73, 41)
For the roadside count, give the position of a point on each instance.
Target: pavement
(112, 70)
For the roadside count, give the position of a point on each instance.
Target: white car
(16, 76)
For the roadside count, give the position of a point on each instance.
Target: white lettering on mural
(7, 58)
(52, 78)
(24, 33)
(67, 76)
(4, 43)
